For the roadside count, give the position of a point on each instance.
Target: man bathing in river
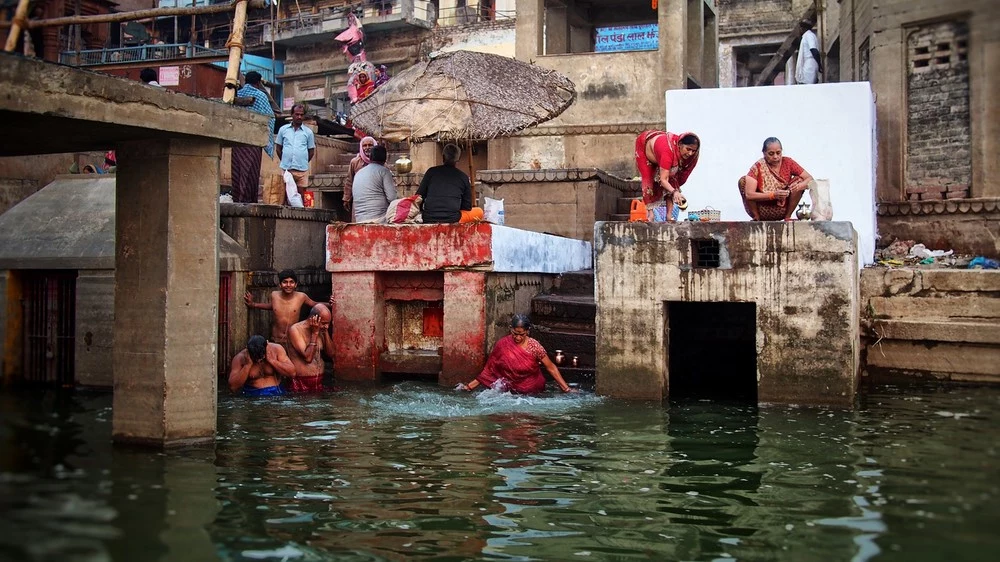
(258, 368)
(308, 340)
(286, 304)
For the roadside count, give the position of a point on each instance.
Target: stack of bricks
(938, 137)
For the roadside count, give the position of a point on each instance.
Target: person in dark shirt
(447, 193)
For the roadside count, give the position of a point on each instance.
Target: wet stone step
(576, 283)
(573, 307)
(582, 346)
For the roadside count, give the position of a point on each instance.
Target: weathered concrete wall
(942, 324)
(559, 201)
(507, 295)
(13, 191)
(95, 321)
(802, 276)
(278, 237)
(892, 63)
(968, 226)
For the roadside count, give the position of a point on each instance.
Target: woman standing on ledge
(665, 160)
(514, 363)
(773, 186)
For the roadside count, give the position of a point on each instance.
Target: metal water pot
(404, 165)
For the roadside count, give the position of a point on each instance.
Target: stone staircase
(564, 320)
(624, 206)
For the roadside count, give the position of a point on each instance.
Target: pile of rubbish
(908, 253)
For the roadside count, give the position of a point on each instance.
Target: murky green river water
(413, 472)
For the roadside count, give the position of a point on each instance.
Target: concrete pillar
(673, 43)
(695, 39)
(528, 28)
(557, 30)
(358, 325)
(710, 50)
(464, 352)
(166, 291)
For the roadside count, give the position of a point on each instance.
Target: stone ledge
(981, 205)
(569, 130)
(933, 330)
(228, 210)
(335, 182)
(554, 175)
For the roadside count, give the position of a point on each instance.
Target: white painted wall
(524, 251)
(827, 128)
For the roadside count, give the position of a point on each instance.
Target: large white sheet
(827, 128)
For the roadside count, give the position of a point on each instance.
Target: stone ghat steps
(564, 320)
(942, 324)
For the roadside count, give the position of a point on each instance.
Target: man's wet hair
(256, 348)
(287, 274)
(147, 75)
(379, 154)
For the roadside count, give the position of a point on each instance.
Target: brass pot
(404, 165)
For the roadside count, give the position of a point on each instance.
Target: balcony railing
(151, 53)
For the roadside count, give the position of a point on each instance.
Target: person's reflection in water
(714, 477)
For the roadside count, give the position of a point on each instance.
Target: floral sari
(514, 367)
(768, 181)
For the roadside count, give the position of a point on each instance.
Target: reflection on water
(416, 472)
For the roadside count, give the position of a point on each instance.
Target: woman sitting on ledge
(513, 363)
(773, 186)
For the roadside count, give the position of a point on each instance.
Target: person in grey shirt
(374, 188)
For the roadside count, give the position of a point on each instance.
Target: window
(575, 26)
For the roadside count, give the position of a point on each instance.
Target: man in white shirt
(808, 62)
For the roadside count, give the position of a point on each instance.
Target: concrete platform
(433, 299)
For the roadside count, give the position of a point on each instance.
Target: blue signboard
(627, 38)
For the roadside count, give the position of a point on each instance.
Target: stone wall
(95, 322)
(892, 22)
(751, 17)
(938, 132)
(967, 226)
(563, 202)
(802, 277)
(939, 324)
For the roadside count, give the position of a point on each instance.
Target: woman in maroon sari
(514, 363)
(773, 186)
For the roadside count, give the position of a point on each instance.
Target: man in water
(286, 305)
(308, 340)
(258, 368)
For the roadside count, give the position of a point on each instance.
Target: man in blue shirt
(296, 147)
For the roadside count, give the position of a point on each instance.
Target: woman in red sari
(514, 363)
(665, 161)
(773, 186)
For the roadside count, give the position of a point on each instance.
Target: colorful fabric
(667, 154)
(514, 367)
(246, 173)
(769, 181)
(474, 215)
(263, 391)
(405, 210)
(307, 384)
(261, 104)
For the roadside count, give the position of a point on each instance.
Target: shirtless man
(286, 304)
(308, 340)
(258, 368)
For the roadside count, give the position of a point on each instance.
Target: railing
(93, 57)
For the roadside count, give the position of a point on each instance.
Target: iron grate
(705, 253)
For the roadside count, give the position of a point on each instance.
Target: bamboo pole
(20, 22)
(137, 14)
(235, 45)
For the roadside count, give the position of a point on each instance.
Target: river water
(415, 472)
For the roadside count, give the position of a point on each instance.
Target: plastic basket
(709, 214)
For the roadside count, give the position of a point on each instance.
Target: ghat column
(166, 291)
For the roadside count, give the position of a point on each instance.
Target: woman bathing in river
(514, 363)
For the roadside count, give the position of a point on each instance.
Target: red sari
(516, 367)
(667, 152)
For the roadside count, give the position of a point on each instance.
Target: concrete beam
(48, 108)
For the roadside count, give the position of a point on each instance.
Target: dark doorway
(49, 302)
(712, 350)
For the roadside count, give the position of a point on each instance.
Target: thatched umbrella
(463, 96)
